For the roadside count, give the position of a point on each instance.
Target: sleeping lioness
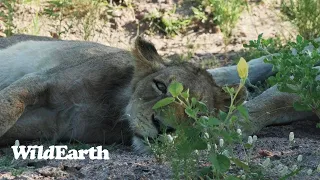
(88, 92)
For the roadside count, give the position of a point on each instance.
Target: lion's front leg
(272, 107)
(14, 98)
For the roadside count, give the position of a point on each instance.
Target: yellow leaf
(242, 68)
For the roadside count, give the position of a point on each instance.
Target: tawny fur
(88, 92)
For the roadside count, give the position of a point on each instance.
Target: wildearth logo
(58, 152)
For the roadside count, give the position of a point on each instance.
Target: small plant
(58, 9)
(200, 134)
(7, 163)
(225, 13)
(35, 25)
(272, 45)
(296, 73)
(204, 142)
(90, 18)
(8, 17)
(166, 22)
(86, 12)
(305, 15)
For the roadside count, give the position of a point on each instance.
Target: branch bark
(258, 71)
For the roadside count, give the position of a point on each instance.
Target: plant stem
(233, 97)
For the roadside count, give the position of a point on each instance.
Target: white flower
(254, 138)
(291, 77)
(239, 132)
(250, 140)
(294, 51)
(284, 170)
(206, 135)
(309, 53)
(215, 146)
(169, 138)
(17, 143)
(318, 168)
(308, 49)
(294, 167)
(226, 153)
(221, 142)
(291, 136)
(299, 158)
(208, 147)
(309, 172)
(196, 152)
(280, 166)
(243, 177)
(266, 162)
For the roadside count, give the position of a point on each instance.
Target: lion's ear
(147, 59)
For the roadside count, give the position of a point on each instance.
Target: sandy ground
(208, 49)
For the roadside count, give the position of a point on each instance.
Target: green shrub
(198, 135)
(305, 15)
(272, 46)
(224, 13)
(210, 136)
(8, 17)
(203, 145)
(166, 22)
(85, 11)
(296, 73)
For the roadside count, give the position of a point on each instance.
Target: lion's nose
(162, 128)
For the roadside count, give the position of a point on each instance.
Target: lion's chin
(140, 146)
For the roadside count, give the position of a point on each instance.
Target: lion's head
(152, 77)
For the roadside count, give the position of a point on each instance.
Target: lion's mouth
(161, 128)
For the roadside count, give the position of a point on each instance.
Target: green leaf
(202, 107)
(192, 141)
(232, 178)
(190, 112)
(259, 40)
(163, 102)
(299, 39)
(175, 89)
(213, 121)
(205, 171)
(248, 146)
(193, 102)
(222, 115)
(220, 162)
(243, 111)
(185, 94)
(298, 106)
(200, 145)
(288, 88)
(226, 136)
(240, 164)
(231, 90)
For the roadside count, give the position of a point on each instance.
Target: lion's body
(89, 90)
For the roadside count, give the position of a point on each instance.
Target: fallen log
(258, 71)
